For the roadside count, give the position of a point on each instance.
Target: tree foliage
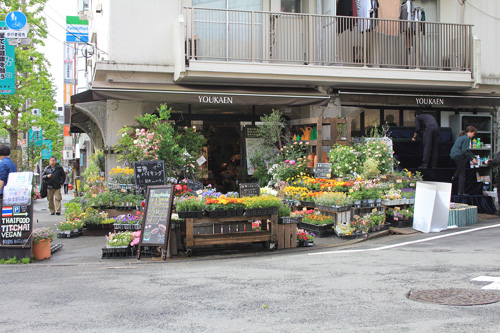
(154, 138)
(34, 87)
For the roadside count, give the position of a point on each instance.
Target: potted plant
(336, 201)
(304, 238)
(127, 222)
(41, 242)
(189, 207)
(321, 225)
(224, 206)
(118, 245)
(284, 215)
(69, 228)
(261, 205)
(356, 197)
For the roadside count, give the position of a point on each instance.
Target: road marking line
(494, 285)
(407, 243)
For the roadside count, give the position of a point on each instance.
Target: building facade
(222, 64)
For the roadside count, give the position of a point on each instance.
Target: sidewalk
(75, 250)
(85, 250)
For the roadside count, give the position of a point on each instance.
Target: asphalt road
(360, 288)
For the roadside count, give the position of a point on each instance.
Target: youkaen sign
(429, 101)
(215, 99)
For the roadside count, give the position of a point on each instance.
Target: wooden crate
(287, 236)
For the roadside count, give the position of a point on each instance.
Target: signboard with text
(77, 31)
(157, 213)
(7, 63)
(148, 173)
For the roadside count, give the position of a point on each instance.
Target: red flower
(143, 204)
(184, 187)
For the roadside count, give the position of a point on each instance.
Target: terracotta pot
(310, 160)
(324, 157)
(41, 249)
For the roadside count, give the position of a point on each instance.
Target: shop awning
(417, 100)
(209, 95)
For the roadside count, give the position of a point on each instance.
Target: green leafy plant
(333, 199)
(189, 204)
(284, 211)
(13, 260)
(262, 201)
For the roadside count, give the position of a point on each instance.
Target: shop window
(391, 118)
(290, 6)
(409, 118)
(372, 120)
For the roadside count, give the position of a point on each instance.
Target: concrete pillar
(118, 114)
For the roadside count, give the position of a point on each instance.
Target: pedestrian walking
(461, 154)
(427, 124)
(6, 166)
(66, 182)
(496, 162)
(54, 176)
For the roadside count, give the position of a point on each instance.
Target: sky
(55, 12)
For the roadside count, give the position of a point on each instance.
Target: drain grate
(462, 297)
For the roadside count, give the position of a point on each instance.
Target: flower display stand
(268, 234)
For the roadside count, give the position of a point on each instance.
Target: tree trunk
(15, 155)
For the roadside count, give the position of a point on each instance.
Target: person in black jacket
(426, 123)
(496, 161)
(53, 176)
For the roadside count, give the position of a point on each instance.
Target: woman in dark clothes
(461, 154)
(496, 161)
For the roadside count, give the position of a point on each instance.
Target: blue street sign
(36, 137)
(47, 152)
(7, 64)
(15, 20)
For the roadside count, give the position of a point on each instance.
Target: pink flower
(178, 187)
(287, 161)
(292, 162)
(192, 165)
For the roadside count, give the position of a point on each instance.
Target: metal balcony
(321, 40)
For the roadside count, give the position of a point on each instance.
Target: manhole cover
(454, 296)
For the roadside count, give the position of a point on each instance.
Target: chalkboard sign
(16, 226)
(193, 185)
(156, 225)
(249, 189)
(323, 170)
(148, 173)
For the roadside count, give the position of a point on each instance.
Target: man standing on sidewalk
(6, 167)
(53, 176)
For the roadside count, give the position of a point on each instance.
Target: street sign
(35, 137)
(7, 64)
(67, 152)
(77, 30)
(15, 20)
(47, 152)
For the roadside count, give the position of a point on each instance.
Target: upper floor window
(291, 6)
(229, 4)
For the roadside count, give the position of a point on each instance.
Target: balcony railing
(265, 37)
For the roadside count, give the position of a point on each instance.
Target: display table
(268, 234)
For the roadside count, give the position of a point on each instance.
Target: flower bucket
(41, 249)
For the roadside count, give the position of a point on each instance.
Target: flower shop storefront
(220, 113)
